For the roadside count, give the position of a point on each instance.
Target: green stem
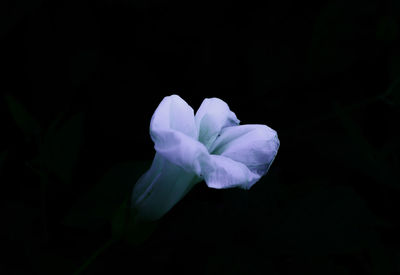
(93, 257)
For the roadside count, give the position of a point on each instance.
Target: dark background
(81, 79)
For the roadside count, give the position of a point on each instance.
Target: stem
(93, 257)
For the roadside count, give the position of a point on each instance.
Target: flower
(209, 146)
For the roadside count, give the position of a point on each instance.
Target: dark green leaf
(61, 145)
(101, 204)
(25, 121)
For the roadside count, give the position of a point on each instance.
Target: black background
(81, 79)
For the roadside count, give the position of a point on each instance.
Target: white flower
(209, 146)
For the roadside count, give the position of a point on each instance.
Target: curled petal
(212, 116)
(174, 133)
(224, 172)
(160, 188)
(253, 145)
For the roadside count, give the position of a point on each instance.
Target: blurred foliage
(24, 120)
(80, 83)
(60, 147)
(365, 156)
(107, 198)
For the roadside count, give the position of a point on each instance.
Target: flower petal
(160, 188)
(174, 113)
(223, 172)
(253, 145)
(174, 133)
(213, 115)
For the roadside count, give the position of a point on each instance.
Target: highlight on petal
(173, 113)
(174, 133)
(212, 116)
(222, 172)
(253, 145)
(160, 188)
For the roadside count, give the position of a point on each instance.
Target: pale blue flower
(209, 146)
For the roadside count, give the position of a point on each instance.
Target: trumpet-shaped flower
(209, 146)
